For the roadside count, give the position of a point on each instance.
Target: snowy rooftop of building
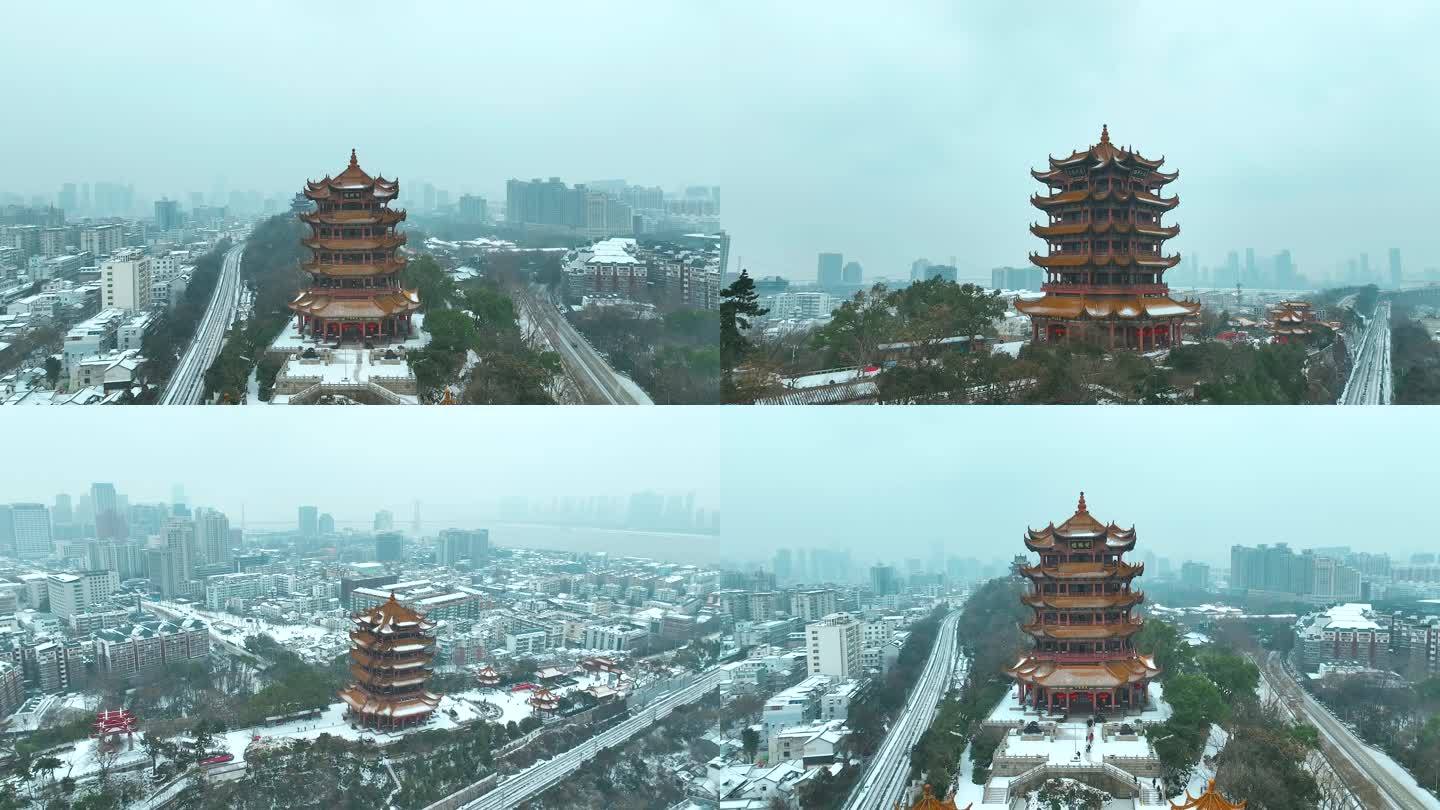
(613, 251)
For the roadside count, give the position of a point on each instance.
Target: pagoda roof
(1209, 800)
(391, 302)
(1104, 227)
(377, 216)
(1088, 259)
(363, 702)
(1084, 570)
(1101, 195)
(391, 615)
(1103, 674)
(929, 801)
(389, 240)
(1104, 153)
(352, 178)
(1080, 526)
(1101, 307)
(393, 264)
(1081, 632)
(1061, 601)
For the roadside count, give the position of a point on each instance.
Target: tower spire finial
(1081, 506)
(1104, 133)
(353, 161)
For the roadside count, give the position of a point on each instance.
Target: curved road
(1370, 382)
(884, 780)
(1396, 793)
(541, 775)
(187, 384)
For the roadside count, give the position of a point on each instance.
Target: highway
(1370, 382)
(187, 384)
(530, 782)
(1343, 744)
(598, 383)
(888, 772)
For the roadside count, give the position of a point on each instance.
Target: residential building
(125, 281)
(102, 240)
(31, 522)
(72, 594)
(148, 647)
(833, 645)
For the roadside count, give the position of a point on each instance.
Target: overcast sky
(887, 133)
(353, 461)
(890, 482)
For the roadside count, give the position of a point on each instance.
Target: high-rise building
(179, 536)
(384, 521)
(389, 546)
(31, 522)
(1394, 267)
(167, 214)
(782, 565)
(125, 281)
(105, 505)
(7, 530)
(72, 594)
(1116, 297)
(212, 537)
(852, 273)
(1195, 575)
(830, 269)
(883, 581)
(326, 524)
(309, 521)
(454, 545)
(102, 240)
(1084, 625)
(813, 605)
(390, 653)
(354, 264)
(833, 646)
(472, 209)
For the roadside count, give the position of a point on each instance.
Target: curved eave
(388, 242)
(380, 216)
(354, 270)
(1157, 202)
(1080, 632)
(1100, 602)
(1063, 198)
(1122, 571)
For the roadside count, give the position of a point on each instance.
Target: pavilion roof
(1102, 307)
(1104, 153)
(1101, 675)
(353, 177)
(1080, 526)
(317, 303)
(1209, 800)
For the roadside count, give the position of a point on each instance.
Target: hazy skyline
(456, 461)
(829, 127)
(890, 482)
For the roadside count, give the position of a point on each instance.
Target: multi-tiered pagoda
(391, 648)
(354, 265)
(1104, 269)
(1083, 627)
(1208, 800)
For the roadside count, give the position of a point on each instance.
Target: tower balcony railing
(1111, 289)
(1082, 658)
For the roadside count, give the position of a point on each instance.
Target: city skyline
(1192, 481)
(882, 152)
(620, 457)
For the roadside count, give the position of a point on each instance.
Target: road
(1350, 748)
(530, 782)
(599, 384)
(888, 772)
(187, 384)
(1370, 382)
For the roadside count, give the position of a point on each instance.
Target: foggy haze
(890, 483)
(885, 134)
(456, 461)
